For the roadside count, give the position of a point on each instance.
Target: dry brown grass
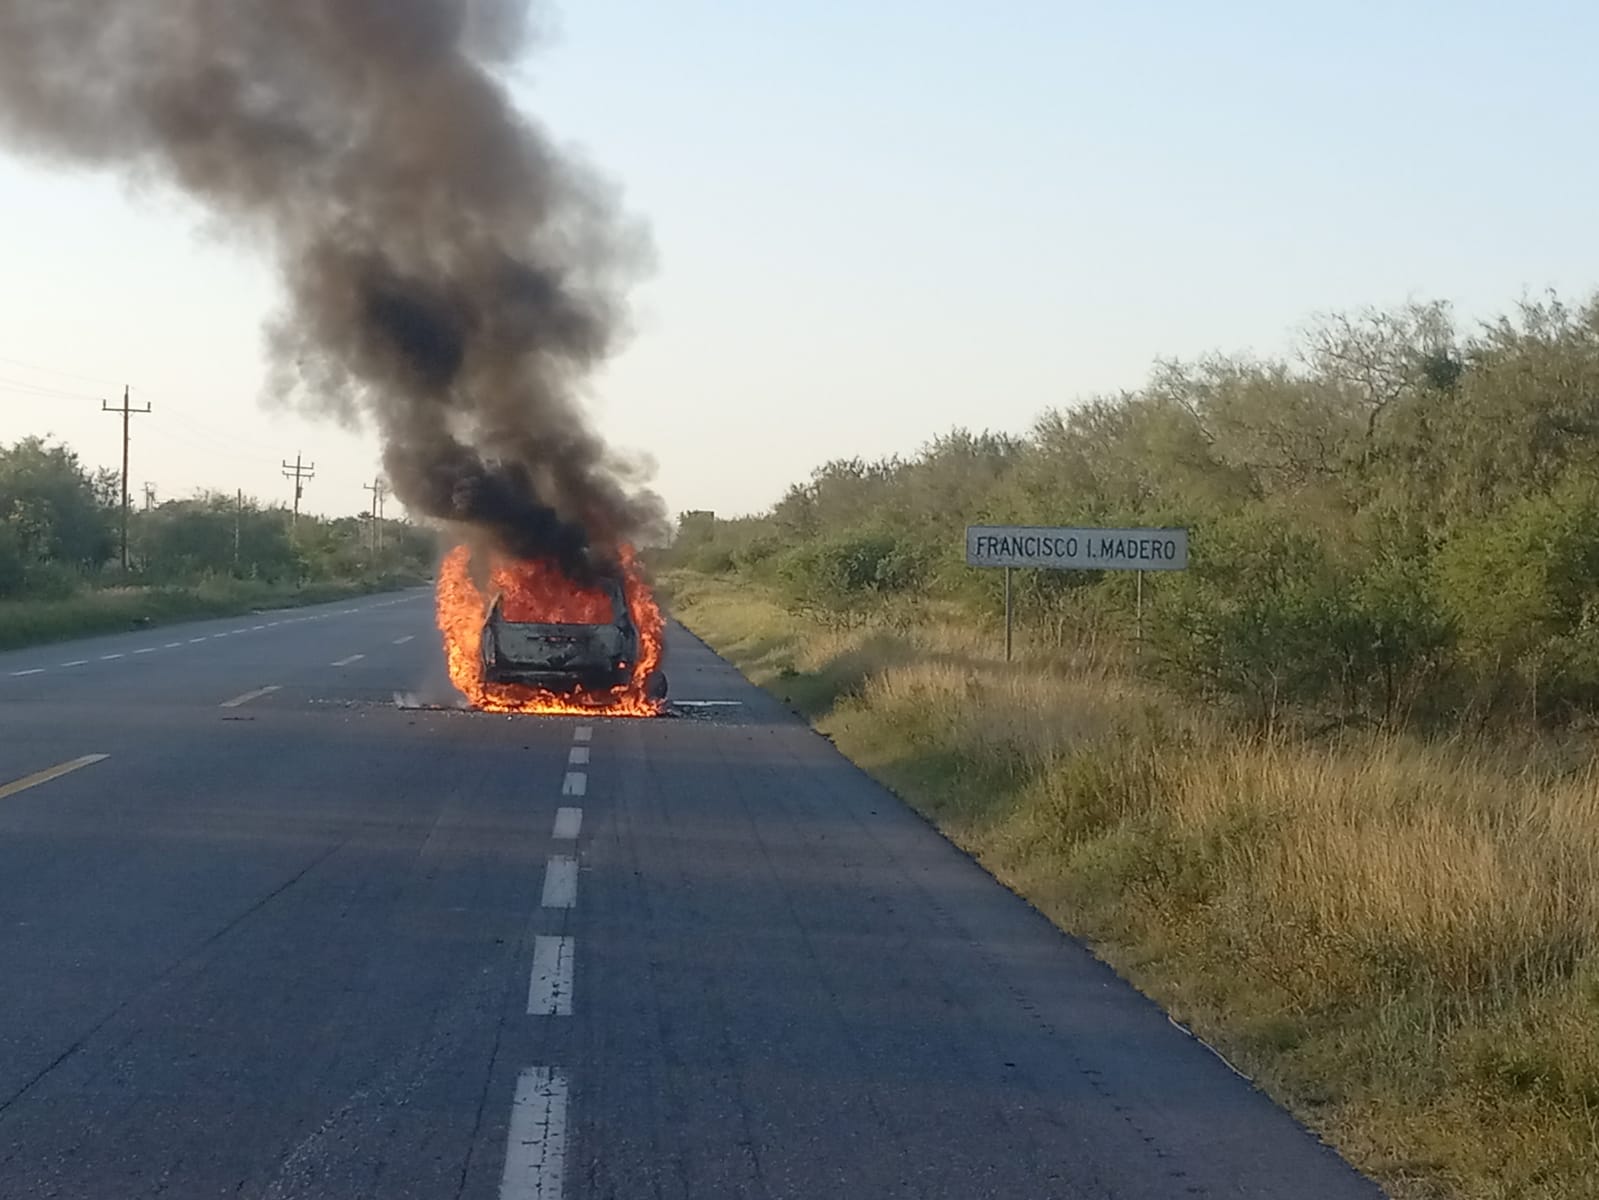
(1400, 939)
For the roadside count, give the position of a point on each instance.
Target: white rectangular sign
(1077, 549)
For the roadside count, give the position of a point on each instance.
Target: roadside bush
(754, 557)
(51, 581)
(12, 572)
(1256, 618)
(1270, 617)
(841, 575)
(1395, 641)
(1523, 589)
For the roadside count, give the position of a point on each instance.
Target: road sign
(1067, 549)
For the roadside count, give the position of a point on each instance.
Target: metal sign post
(1139, 608)
(1072, 549)
(1007, 614)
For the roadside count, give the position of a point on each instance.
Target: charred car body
(566, 658)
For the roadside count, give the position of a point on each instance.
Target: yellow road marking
(33, 781)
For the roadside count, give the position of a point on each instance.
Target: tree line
(1397, 522)
(60, 532)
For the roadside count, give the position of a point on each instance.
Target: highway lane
(320, 945)
(254, 938)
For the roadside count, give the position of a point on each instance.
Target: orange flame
(533, 591)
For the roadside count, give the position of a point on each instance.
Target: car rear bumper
(559, 682)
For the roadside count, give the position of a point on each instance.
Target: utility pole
(128, 413)
(238, 520)
(299, 472)
(380, 491)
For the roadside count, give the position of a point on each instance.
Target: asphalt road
(317, 944)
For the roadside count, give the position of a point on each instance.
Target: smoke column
(448, 273)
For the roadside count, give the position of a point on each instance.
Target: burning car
(528, 639)
(567, 658)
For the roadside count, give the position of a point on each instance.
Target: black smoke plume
(449, 273)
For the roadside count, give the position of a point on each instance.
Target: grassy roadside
(1399, 941)
(115, 610)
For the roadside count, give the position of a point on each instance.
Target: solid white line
(81, 662)
(111, 657)
(241, 701)
(578, 756)
(575, 784)
(354, 658)
(583, 733)
(560, 882)
(45, 776)
(549, 989)
(535, 1154)
(25, 674)
(568, 824)
(410, 637)
(1226, 1062)
(709, 703)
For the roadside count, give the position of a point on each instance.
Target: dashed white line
(77, 662)
(111, 657)
(576, 783)
(568, 824)
(25, 674)
(578, 756)
(345, 662)
(241, 701)
(257, 628)
(148, 650)
(407, 639)
(217, 637)
(173, 646)
(560, 882)
(535, 1153)
(583, 733)
(549, 989)
(196, 641)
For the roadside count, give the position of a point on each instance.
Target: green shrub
(12, 568)
(1522, 587)
(844, 574)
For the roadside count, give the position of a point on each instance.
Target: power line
(25, 388)
(224, 440)
(31, 366)
(186, 441)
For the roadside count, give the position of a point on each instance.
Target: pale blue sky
(878, 219)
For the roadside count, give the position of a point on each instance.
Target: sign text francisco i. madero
(1077, 549)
